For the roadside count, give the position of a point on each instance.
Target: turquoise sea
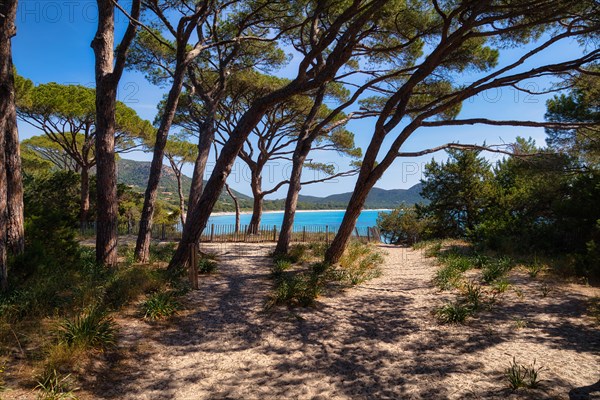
(331, 218)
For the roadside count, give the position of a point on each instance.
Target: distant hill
(378, 198)
(135, 175)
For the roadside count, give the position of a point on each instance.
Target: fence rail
(228, 233)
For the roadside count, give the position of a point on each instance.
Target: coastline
(230, 213)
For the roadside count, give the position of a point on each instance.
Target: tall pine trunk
(291, 200)
(8, 11)
(142, 247)
(14, 177)
(106, 168)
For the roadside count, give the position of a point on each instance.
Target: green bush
(160, 305)
(91, 329)
(296, 289)
(473, 295)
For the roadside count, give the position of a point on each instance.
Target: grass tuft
(160, 305)
(453, 313)
(90, 329)
(522, 376)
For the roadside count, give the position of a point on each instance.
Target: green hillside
(135, 175)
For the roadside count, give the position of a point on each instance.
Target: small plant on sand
(433, 250)
(207, 266)
(160, 305)
(500, 285)
(522, 376)
(447, 277)
(594, 309)
(279, 267)
(519, 323)
(473, 295)
(496, 269)
(453, 313)
(54, 386)
(91, 329)
(535, 268)
(545, 289)
(360, 263)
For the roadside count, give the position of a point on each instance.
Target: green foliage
(296, 290)
(457, 190)
(401, 225)
(90, 329)
(160, 305)
(500, 285)
(594, 309)
(447, 277)
(522, 376)
(453, 313)
(473, 294)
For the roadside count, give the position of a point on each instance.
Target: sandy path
(377, 341)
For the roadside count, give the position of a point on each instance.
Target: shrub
(433, 250)
(521, 376)
(127, 284)
(534, 269)
(207, 266)
(296, 289)
(162, 252)
(359, 263)
(160, 305)
(298, 253)
(453, 313)
(90, 329)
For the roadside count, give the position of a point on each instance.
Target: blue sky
(53, 45)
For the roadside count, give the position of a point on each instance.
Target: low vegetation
(302, 276)
(522, 376)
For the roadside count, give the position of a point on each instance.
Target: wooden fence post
(304, 233)
(369, 234)
(274, 233)
(356, 231)
(327, 234)
(212, 232)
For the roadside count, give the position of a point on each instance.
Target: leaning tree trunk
(205, 141)
(291, 202)
(237, 207)
(181, 199)
(199, 213)
(355, 206)
(3, 199)
(84, 207)
(142, 248)
(257, 205)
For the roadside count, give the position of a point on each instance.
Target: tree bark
(85, 196)
(257, 205)
(142, 248)
(291, 200)
(237, 208)
(14, 177)
(8, 126)
(107, 75)
(205, 141)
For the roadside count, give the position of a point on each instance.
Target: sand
(375, 341)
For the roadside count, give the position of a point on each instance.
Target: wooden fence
(228, 233)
